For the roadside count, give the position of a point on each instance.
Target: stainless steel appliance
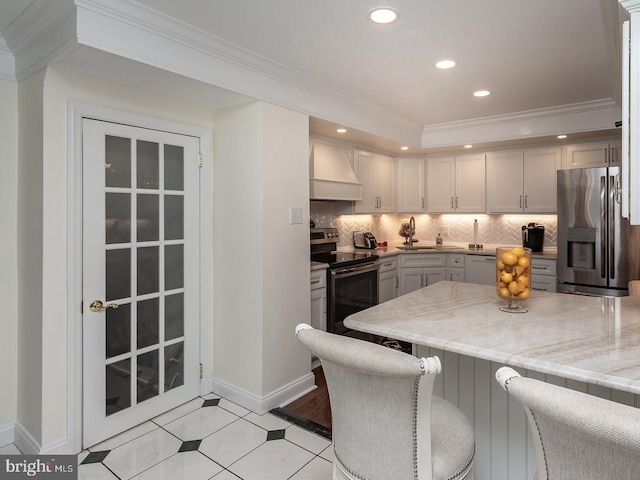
(364, 240)
(352, 284)
(598, 251)
(533, 237)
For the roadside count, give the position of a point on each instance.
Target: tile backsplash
(492, 229)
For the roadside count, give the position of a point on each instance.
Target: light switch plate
(295, 215)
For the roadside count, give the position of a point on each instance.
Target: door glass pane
(148, 170)
(173, 316)
(118, 386)
(148, 217)
(174, 266)
(118, 273)
(173, 167)
(118, 330)
(173, 366)
(173, 217)
(148, 322)
(147, 375)
(117, 162)
(148, 268)
(118, 217)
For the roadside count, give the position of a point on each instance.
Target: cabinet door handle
(397, 283)
(520, 201)
(452, 207)
(421, 280)
(426, 279)
(526, 201)
(457, 202)
(422, 203)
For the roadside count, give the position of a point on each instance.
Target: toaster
(364, 240)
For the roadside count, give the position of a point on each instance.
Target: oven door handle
(358, 269)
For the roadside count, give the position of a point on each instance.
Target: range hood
(330, 174)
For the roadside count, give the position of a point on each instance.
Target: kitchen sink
(429, 247)
(416, 247)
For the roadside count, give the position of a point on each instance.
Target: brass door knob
(98, 306)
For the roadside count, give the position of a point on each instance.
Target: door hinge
(200, 160)
(201, 371)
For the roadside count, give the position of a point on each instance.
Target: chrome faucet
(412, 230)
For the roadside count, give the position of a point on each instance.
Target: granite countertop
(549, 253)
(589, 339)
(318, 266)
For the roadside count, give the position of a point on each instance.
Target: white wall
(8, 260)
(261, 262)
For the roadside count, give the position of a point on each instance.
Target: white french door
(140, 269)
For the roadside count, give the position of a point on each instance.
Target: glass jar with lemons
(513, 277)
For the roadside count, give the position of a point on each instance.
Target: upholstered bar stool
(386, 423)
(577, 436)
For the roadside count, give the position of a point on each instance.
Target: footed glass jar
(513, 277)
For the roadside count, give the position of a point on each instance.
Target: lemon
(509, 258)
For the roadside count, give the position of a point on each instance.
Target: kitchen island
(591, 344)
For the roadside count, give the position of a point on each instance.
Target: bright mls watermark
(45, 467)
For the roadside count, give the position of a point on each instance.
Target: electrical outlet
(295, 215)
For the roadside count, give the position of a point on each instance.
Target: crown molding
(134, 31)
(7, 62)
(579, 117)
(630, 5)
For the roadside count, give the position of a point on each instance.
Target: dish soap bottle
(439, 240)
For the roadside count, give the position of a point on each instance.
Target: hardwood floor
(314, 405)
(313, 410)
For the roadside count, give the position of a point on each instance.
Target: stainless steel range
(352, 284)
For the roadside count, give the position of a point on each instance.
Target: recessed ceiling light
(342, 130)
(404, 148)
(468, 146)
(383, 15)
(445, 64)
(481, 93)
(562, 136)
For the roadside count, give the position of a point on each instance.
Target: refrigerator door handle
(612, 227)
(603, 227)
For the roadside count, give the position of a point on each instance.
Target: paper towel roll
(475, 232)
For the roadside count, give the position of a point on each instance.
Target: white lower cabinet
(388, 279)
(455, 267)
(419, 270)
(481, 269)
(319, 299)
(543, 274)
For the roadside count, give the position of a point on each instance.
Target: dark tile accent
(190, 445)
(213, 402)
(95, 457)
(303, 423)
(275, 435)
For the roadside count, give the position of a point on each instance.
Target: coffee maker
(533, 237)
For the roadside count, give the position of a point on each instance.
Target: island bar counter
(590, 344)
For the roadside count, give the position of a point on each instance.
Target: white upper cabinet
(410, 185)
(522, 181)
(377, 174)
(585, 155)
(456, 184)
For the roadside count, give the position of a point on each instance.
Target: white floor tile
(328, 454)
(233, 408)
(305, 439)
(316, 469)
(267, 421)
(124, 437)
(182, 466)
(200, 423)
(10, 449)
(233, 442)
(142, 453)
(274, 460)
(178, 412)
(225, 475)
(95, 471)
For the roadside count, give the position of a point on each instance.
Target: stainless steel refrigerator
(598, 251)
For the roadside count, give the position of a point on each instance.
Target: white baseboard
(24, 441)
(7, 435)
(262, 405)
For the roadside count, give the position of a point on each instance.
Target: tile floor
(209, 438)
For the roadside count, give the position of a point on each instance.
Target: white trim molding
(275, 399)
(579, 117)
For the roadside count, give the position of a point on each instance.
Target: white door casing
(140, 251)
